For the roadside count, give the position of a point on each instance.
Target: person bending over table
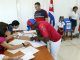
(47, 33)
(3, 41)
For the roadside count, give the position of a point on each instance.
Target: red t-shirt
(46, 30)
(2, 49)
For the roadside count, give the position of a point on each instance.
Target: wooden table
(43, 53)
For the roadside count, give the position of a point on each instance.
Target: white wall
(25, 9)
(61, 8)
(8, 11)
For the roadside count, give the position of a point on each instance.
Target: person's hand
(34, 38)
(27, 44)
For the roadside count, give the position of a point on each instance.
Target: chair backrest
(67, 27)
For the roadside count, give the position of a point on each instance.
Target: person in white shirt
(75, 20)
(61, 25)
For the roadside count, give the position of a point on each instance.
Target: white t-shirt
(74, 15)
(1, 57)
(61, 24)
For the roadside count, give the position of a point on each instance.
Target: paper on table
(30, 50)
(27, 50)
(37, 43)
(17, 42)
(16, 50)
(28, 57)
(30, 35)
(20, 34)
(30, 32)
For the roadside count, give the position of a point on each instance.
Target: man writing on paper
(46, 32)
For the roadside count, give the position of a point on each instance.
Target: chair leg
(63, 36)
(71, 35)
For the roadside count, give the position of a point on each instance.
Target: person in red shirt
(48, 34)
(40, 14)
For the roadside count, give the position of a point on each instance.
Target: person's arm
(46, 16)
(12, 47)
(44, 33)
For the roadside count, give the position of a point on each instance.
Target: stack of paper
(33, 43)
(17, 42)
(30, 35)
(37, 43)
(26, 34)
(30, 32)
(28, 57)
(20, 34)
(16, 50)
(28, 51)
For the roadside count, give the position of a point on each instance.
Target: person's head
(75, 8)
(37, 6)
(3, 29)
(61, 18)
(32, 23)
(15, 24)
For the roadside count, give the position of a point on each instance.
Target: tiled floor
(70, 50)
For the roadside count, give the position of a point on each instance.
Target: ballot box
(67, 29)
(67, 26)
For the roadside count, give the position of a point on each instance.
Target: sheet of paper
(30, 32)
(30, 50)
(37, 43)
(17, 42)
(30, 35)
(20, 34)
(16, 50)
(28, 57)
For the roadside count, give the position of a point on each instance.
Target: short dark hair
(61, 17)
(75, 7)
(37, 3)
(3, 29)
(15, 23)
